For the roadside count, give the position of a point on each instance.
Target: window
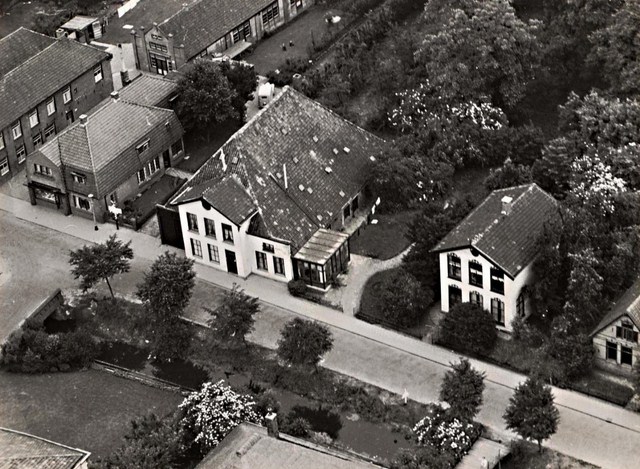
(227, 233)
(196, 248)
(241, 32)
(261, 260)
(45, 170)
(37, 140)
(497, 281)
(612, 351)
(192, 222)
(97, 73)
(455, 295)
(153, 165)
(79, 178)
(33, 118)
(81, 202)
(266, 247)
(4, 167)
(475, 274)
(278, 265)
(270, 13)
(497, 311)
(51, 107)
(142, 176)
(475, 298)
(1, 141)
(625, 331)
(214, 255)
(520, 305)
(21, 153)
(346, 211)
(454, 267)
(144, 146)
(156, 46)
(176, 148)
(49, 131)
(66, 95)
(626, 355)
(16, 131)
(209, 228)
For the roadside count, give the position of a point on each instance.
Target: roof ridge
(184, 8)
(147, 106)
(27, 61)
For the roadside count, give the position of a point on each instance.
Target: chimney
(83, 119)
(115, 95)
(271, 421)
(506, 204)
(286, 181)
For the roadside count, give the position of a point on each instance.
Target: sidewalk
(590, 429)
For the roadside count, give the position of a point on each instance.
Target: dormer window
(454, 268)
(41, 169)
(79, 178)
(497, 281)
(144, 146)
(625, 331)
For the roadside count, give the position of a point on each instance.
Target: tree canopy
(468, 327)
(101, 262)
(462, 389)
(304, 342)
(233, 319)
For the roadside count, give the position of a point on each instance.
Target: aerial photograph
(320, 234)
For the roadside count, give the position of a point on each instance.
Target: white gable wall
(512, 288)
(609, 334)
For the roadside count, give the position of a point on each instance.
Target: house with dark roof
(151, 90)
(21, 450)
(616, 336)
(275, 198)
(106, 158)
(487, 259)
(209, 27)
(45, 84)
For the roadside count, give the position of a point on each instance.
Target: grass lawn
(90, 410)
(199, 150)
(387, 238)
(525, 456)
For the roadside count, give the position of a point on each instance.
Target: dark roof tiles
(149, 90)
(19, 46)
(627, 305)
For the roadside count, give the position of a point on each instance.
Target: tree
(531, 412)
(243, 80)
(206, 97)
(508, 175)
(210, 414)
(304, 342)
(404, 300)
(233, 319)
(165, 292)
(100, 262)
(468, 327)
(462, 389)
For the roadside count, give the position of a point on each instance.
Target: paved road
(367, 352)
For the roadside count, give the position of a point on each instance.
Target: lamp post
(93, 211)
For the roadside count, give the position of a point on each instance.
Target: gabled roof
(21, 450)
(627, 305)
(327, 162)
(20, 46)
(200, 24)
(149, 89)
(42, 75)
(507, 240)
(105, 145)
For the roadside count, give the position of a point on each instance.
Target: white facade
(616, 345)
(513, 288)
(243, 246)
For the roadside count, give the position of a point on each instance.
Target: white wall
(512, 288)
(244, 245)
(609, 334)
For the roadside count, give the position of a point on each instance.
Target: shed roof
(79, 22)
(627, 305)
(321, 246)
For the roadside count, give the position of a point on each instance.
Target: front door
(69, 116)
(232, 266)
(162, 67)
(166, 158)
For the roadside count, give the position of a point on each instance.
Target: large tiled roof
(105, 145)
(249, 446)
(45, 73)
(508, 240)
(200, 24)
(149, 89)
(327, 162)
(627, 305)
(21, 450)
(20, 46)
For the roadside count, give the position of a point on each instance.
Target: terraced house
(107, 157)
(277, 199)
(45, 84)
(209, 27)
(488, 258)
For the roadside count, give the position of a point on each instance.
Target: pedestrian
(290, 43)
(284, 47)
(484, 464)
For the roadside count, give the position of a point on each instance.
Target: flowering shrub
(594, 182)
(445, 433)
(211, 413)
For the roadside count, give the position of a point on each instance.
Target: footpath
(590, 429)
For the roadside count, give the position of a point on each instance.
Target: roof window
(346, 150)
(372, 158)
(342, 194)
(335, 151)
(295, 160)
(328, 170)
(315, 139)
(301, 187)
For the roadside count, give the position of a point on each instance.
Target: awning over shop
(321, 246)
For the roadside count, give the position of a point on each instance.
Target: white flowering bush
(445, 433)
(212, 412)
(594, 183)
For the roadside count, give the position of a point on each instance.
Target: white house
(616, 337)
(274, 199)
(487, 259)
